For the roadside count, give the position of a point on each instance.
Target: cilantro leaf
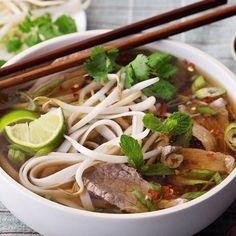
(101, 63)
(162, 89)
(42, 20)
(14, 44)
(137, 70)
(48, 31)
(160, 64)
(26, 25)
(152, 122)
(132, 150)
(32, 39)
(66, 24)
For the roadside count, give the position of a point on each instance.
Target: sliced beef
(115, 184)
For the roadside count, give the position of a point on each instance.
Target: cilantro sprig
(157, 64)
(141, 68)
(101, 63)
(177, 124)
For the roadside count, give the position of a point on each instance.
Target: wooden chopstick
(124, 44)
(112, 35)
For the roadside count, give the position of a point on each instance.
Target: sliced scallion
(198, 83)
(206, 110)
(211, 92)
(230, 136)
(193, 195)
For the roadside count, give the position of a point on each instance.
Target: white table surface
(106, 14)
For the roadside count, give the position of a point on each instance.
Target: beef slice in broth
(115, 184)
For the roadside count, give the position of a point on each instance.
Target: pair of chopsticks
(21, 74)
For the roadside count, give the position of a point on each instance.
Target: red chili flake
(177, 172)
(130, 109)
(153, 195)
(210, 154)
(166, 192)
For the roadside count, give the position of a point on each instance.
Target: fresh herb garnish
(32, 31)
(178, 123)
(192, 195)
(159, 62)
(101, 63)
(137, 70)
(66, 24)
(132, 150)
(157, 169)
(14, 44)
(147, 203)
(162, 89)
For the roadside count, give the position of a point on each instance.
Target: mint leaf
(177, 123)
(132, 150)
(160, 64)
(101, 63)
(152, 122)
(66, 24)
(162, 89)
(14, 44)
(137, 70)
(157, 169)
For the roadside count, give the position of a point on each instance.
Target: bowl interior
(204, 62)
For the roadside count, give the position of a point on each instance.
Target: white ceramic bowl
(52, 219)
(232, 47)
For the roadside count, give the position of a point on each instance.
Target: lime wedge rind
(16, 116)
(32, 135)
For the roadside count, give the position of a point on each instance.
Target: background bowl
(52, 219)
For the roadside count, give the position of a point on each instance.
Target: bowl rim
(110, 216)
(232, 47)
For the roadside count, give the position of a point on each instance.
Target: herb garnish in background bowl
(33, 30)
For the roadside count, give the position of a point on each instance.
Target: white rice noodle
(141, 85)
(110, 123)
(110, 99)
(86, 200)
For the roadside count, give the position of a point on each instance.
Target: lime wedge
(46, 131)
(17, 116)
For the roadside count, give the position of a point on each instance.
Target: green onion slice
(211, 92)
